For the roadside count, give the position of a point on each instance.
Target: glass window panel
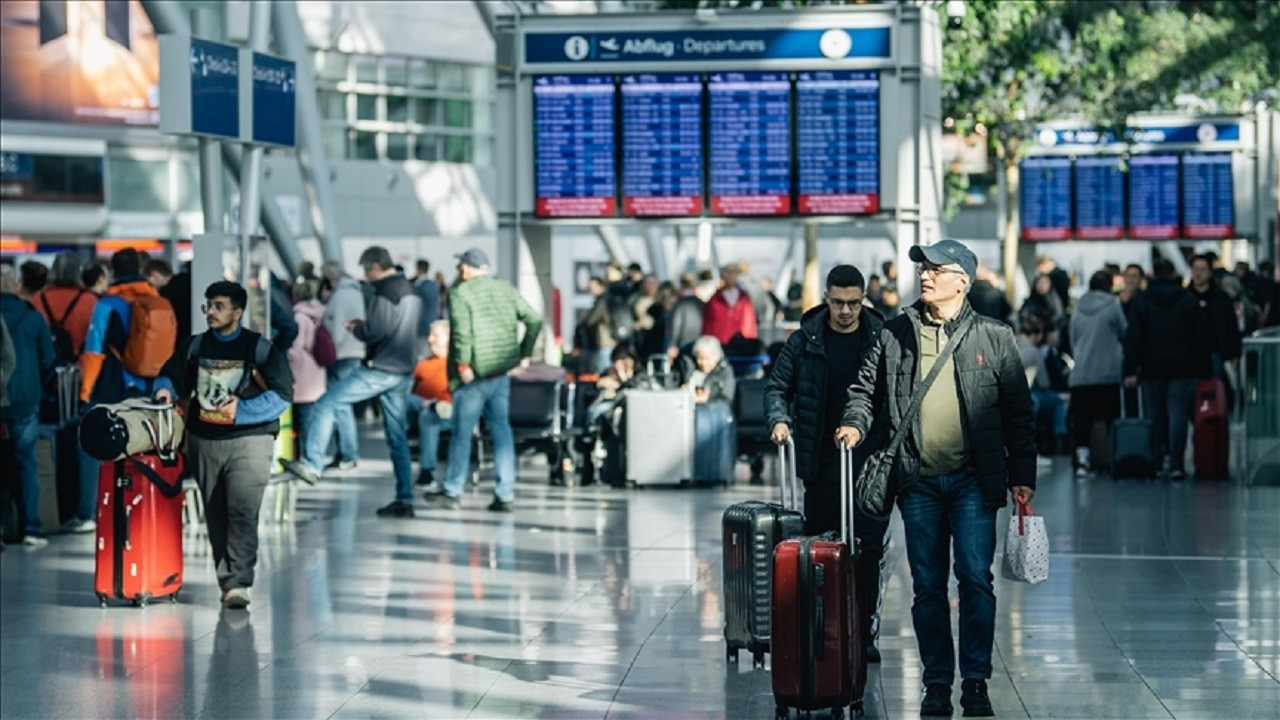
(483, 117)
(332, 65)
(366, 107)
(453, 76)
(397, 108)
(395, 71)
(189, 185)
(366, 68)
(333, 105)
(483, 155)
(397, 146)
(362, 145)
(426, 111)
(457, 113)
(138, 185)
(422, 74)
(482, 80)
(457, 148)
(427, 147)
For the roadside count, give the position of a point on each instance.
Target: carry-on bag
(749, 531)
(139, 549)
(819, 654)
(658, 436)
(133, 427)
(1211, 443)
(1133, 444)
(60, 398)
(716, 443)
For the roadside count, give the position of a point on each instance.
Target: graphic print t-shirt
(220, 372)
(217, 382)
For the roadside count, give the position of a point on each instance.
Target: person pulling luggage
(239, 385)
(812, 375)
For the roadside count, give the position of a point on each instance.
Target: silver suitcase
(659, 437)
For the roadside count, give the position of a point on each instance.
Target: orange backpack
(153, 334)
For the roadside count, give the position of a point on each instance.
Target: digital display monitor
(750, 143)
(575, 160)
(1099, 193)
(1153, 196)
(661, 145)
(838, 142)
(1046, 198)
(1208, 201)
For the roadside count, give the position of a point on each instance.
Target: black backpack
(622, 319)
(64, 350)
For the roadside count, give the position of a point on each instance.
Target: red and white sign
(750, 204)
(848, 204)
(577, 207)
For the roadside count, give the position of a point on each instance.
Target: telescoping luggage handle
(1124, 400)
(846, 495)
(787, 459)
(162, 427)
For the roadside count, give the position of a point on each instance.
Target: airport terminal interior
(665, 185)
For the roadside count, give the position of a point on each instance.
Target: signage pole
(251, 172)
(210, 152)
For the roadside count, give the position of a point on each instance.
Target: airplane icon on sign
(611, 44)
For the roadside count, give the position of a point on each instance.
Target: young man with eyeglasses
(805, 398)
(239, 385)
(970, 445)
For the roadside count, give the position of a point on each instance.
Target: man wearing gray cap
(954, 435)
(485, 315)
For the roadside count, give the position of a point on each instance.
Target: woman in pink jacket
(308, 376)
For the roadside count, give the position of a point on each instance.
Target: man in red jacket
(730, 311)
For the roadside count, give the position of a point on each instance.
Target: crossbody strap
(917, 398)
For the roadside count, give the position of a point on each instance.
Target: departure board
(1046, 198)
(1099, 193)
(661, 145)
(838, 142)
(1153, 196)
(574, 146)
(750, 143)
(1208, 203)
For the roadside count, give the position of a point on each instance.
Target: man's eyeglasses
(935, 270)
(215, 307)
(847, 304)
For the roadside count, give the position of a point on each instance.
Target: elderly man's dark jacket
(796, 392)
(996, 404)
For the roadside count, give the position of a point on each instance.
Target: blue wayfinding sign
(707, 45)
(215, 89)
(274, 100)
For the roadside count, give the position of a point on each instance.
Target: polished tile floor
(1163, 601)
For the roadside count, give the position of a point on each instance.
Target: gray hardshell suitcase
(659, 437)
(749, 532)
(1133, 444)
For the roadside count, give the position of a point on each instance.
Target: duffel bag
(114, 432)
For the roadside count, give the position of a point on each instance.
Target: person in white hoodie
(344, 304)
(1097, 334)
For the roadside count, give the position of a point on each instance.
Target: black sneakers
(937, 701)
(301, 470)
(501, 506)
(397, 509)
(340, 463)
(425, 477)
(974, 699)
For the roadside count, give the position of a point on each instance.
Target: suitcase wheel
(102, 600)
(174, 598)
(757, 658)
(731, 654)
(142, 601)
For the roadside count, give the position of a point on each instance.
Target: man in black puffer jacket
(805, 398)
(972, 441)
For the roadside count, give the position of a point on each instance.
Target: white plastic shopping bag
(1026, 547)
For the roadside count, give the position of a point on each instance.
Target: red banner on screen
(1154, 232)
(1101, 232)
(662, 206)
(850, 204)
(1215, 231)
(750, 204)
(1046, 233)
(577, 207)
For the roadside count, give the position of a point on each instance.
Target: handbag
(1026, 547)
(872, 491)
(114, 432)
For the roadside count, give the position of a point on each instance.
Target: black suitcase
(716, 443)
(1133, 444)
(751, 530)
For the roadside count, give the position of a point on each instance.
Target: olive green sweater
(485, 315)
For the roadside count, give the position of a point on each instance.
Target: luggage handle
(1124, 400)
(846, 495)
(786, 449)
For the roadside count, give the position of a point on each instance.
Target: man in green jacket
(485, 315)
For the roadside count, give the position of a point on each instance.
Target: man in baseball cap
(969, 444)
(474, 257)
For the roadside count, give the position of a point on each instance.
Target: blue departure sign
(661, 145)
(750, 143)
(663, 46)
(215, 89)
(1046, 198)
(1153, 196)
(275, 100)
(575, 163)
(1099, 193)
(838, 142)
(1208, 198)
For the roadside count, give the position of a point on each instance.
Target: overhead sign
(1153, 196)
(661, 145)
(1189, 134)
(274, 90)
(707, 45)
(749, 143)
(1208, 197)
(838, 142)
(1046, 198)
(574, 146)
(51, 178)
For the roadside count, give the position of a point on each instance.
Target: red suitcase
(819, 658)
(1211, 431)
(139, 551)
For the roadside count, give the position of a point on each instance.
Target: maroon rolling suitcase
(819, 656)
(1211, 431)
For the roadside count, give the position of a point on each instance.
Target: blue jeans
(936, 512)
(1168, 404)
(365, 383)
(490, 397)
(348, 440)
(25, 431)
(429, 427)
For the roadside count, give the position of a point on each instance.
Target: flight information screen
(574, 161)
(1153, 196)
(661, 145)
(750, 143)
(1046, 198)
(1099, 198)
(1208, 203)
(838, 142)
